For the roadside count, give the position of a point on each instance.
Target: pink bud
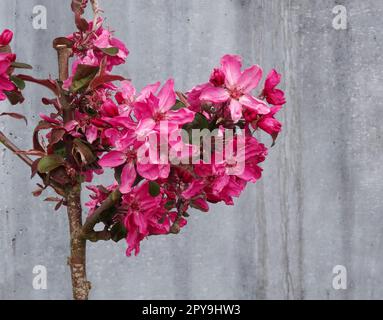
(6, 37)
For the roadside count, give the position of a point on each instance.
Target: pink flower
(128, 159)
(143, 213)
(99, 195)
(157, 108)
(274, 96)
(105, 40)
(6, 60)
(268, 123)
(236, 91)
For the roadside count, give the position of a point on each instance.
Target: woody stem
(77, 259)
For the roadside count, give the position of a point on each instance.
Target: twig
(8, 144)
(96, 11)
(96, 217)
(28, 161)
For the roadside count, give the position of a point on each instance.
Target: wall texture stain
(319, 203)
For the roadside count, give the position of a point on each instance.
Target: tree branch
(8, 144)
(97, 216)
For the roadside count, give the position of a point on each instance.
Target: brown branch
(28, 161)
(98, 215)
(95, 236)
(77, 260)
(8, 144)
(175, 228)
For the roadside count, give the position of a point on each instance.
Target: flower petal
(235, 110)
(181, 116)
(231, 67)
(91, 134)
(254, 104)
(112, 159)
(167, 96)
(145, 127)
(250, 78)
(128, 176)
(215, 95)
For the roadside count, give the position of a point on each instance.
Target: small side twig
(96, 11)
(88, 227)
(8, 144)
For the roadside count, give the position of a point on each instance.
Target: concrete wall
(319, 203)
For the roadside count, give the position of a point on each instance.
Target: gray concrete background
(319, 203)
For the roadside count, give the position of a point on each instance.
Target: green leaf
(21, 65)
(59, 149)
(179, 105)
(154, 189)
(83, 77)
(18, 82)
(14, 97)
(113, 51)
(102, 79)
(49, 163)
(118, 232)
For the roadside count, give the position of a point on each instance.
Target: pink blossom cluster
(6, 59)
(225, 102)
(114, 125)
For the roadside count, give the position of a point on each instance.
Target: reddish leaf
(56, 136)
(43, 125)
(100, 80)
(53, 102)
(59, 204)
(274, 136)
(81, 23)
(14, 97)
(17, 116)
(37, 192)
(34, 167)
(84, 151)
(48, 83)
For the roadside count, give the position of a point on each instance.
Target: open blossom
(157, 108)
(236, 88)
(96, 43)
(6, 60)
(144, 215)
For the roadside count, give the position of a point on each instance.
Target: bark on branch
(77, 260)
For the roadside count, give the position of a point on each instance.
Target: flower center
(235, 93)
(135, 206)
(159, 116)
